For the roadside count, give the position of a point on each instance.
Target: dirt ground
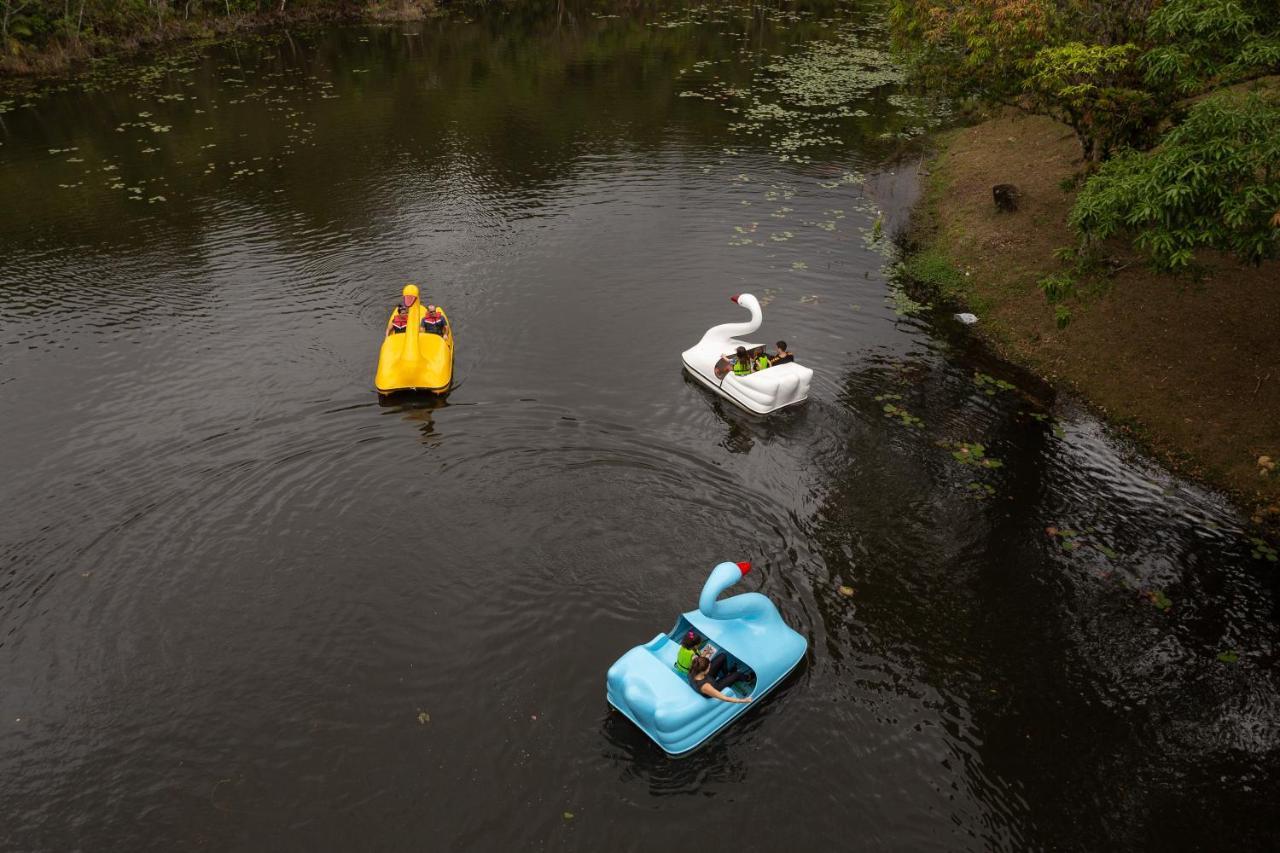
(1189, 367)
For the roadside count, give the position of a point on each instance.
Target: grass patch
(930, 270)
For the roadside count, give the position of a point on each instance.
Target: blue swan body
(645, 685)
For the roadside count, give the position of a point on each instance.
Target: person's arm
(710, 691)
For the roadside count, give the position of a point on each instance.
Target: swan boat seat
(645, 686)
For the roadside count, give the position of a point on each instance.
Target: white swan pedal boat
(711, 362)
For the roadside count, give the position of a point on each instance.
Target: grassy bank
(1189, 366)
(55, 46)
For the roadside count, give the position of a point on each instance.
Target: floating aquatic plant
(981, 491)
(971, 453)
(990, 385)
(1262, 551)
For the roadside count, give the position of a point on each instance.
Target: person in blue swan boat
(688, 651)
(709, 678)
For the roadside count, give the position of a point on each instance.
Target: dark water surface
(244, 605)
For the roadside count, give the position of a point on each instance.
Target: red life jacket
(433, 317)
(400, 321)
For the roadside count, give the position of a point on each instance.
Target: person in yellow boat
(742, 364)
(434, 321)
(400, 320)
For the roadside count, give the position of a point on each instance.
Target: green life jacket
(741, 369)
(762, 362)
(684, 658)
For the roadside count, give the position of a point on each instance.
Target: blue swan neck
(746, 606)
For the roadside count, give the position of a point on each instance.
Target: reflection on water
(246, 604)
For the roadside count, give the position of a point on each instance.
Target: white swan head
(717, 337)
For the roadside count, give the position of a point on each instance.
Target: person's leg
(727, 679)
(717, 675)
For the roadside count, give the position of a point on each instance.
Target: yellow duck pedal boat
(415, 359)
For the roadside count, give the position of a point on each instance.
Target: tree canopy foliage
(1214, 182)
(1119, 73)
(80, 26)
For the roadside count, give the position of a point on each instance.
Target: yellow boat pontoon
(413, 357)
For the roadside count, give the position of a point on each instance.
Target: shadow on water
(419, 408)
(743, 428)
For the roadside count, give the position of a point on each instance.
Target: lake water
(246, 605)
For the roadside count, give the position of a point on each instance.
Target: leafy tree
(1204, 43)
(1096, 91)
(974, 47)
(1213, 183)
(1073, 60)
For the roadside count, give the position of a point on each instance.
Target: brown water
(244, 605)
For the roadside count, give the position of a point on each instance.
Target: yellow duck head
(409, 295)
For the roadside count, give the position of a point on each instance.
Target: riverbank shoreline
(67, 58)
(1190, 368)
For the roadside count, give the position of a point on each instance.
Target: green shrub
(1214, 183)
(1057, 287)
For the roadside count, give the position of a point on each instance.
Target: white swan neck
(725, 331)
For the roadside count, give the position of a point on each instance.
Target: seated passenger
(433, 321)
(688, 651)
(709, 679)
(742, 364)
(782, 356)
(399, 320)
(762, 360)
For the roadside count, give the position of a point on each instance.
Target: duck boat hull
(415, 360)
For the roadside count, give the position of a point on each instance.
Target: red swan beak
(744, 567)
(734, 299)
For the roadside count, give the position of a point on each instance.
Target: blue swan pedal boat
(645, 685)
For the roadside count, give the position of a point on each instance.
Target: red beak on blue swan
(734, 299)
(744, 567)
